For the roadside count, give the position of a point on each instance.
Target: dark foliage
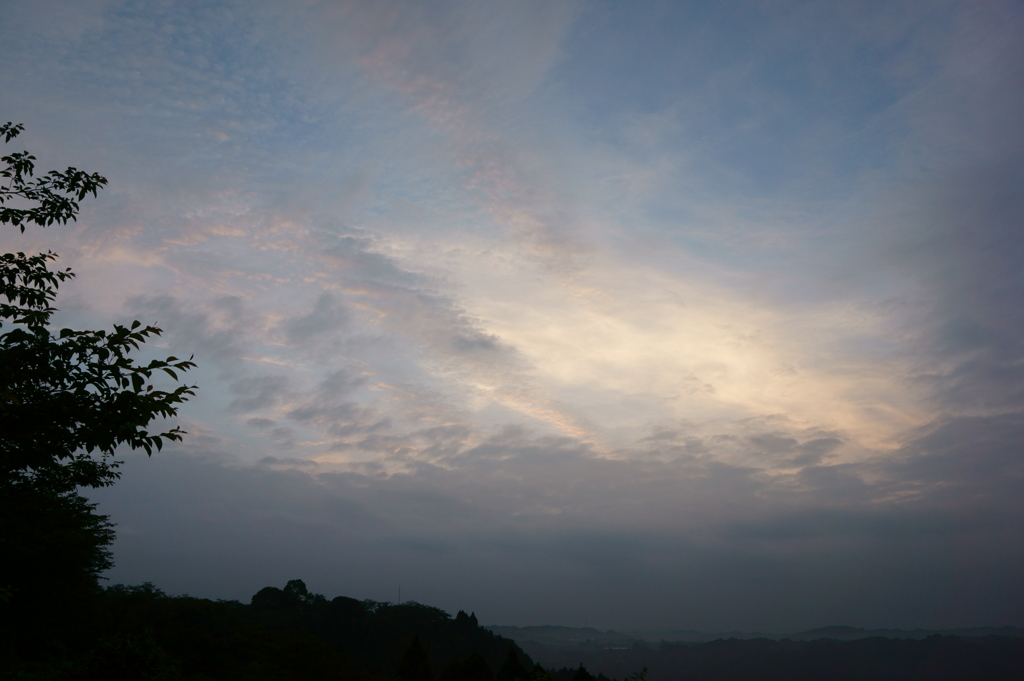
(578, 674)
(512, 668)
(472, 667)
(51, 198)
(141, 633)
(53, 548)
(378, 637)
(415, 664)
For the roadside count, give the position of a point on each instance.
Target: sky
(625, 315)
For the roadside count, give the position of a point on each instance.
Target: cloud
(257, 422)
(952, 237)
(289, 463)
(969, 263)
(217, 331)
(327, 315)
(254, 394)
(813, 451)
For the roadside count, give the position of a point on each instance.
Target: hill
(852, 653)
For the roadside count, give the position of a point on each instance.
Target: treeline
(140, 633)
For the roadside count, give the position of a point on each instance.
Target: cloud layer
(665, 316)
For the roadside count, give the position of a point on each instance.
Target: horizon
(653, 315)
(835, 628)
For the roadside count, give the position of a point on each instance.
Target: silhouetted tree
(472, 667)
(464, 620)
(538, 673)
(511, 669)
(53, 548)
(296, 589)
(415, 664)
(582, 674)
(270, 597)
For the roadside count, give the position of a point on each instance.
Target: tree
(415, 664)
(472, 667)
(68, 400)
(512, 669)
(582, 674)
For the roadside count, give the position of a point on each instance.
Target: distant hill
(837, 652)
(854, 633)
(588, 637)
(567, 636)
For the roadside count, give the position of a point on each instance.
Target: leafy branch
(56, 194)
